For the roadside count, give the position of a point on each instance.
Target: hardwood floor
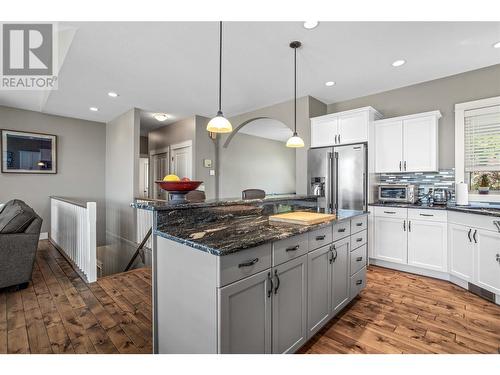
(396, 313)
(405, 313)
(59, 313)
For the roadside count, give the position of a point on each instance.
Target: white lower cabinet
(461, 252)
(319, 288)
(390, 239)
(427, 244)
(487, 264)
(289, 306)
(340, 261)
(245, 315)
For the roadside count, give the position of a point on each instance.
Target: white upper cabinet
(407, 143)
(388, 146)
(343, 127)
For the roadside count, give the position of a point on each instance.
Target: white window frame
(460, 109)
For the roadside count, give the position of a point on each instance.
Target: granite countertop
(162, 205)
(477, 209)
(227, 229)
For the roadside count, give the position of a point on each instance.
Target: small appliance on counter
(402, 193)
(440, 196)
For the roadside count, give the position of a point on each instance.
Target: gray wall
(81, 147)
(167, 135)
(122, 180)
(144, 147)
(284, 112)
(204, 148)
(256, 163)
(441, 94)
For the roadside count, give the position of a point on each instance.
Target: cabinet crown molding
(326, 117)
(435, 113)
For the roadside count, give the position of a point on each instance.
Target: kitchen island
(227, 280)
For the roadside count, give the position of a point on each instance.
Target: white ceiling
(267, 128)
(172, 66)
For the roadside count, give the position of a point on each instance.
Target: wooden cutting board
(302, 218)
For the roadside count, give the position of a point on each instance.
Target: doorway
(182, 160)
(160, 168)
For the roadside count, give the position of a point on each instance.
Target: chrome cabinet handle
(409, 225)
(320, 238)
(249, 263)
(405, 165)
(335, 138)
(399, 165)
(270, 290)
(339, 138)
(426, 215)
(359, 239)
(468, 235)
(404, 225)
(389, 212)
(359, 259)
(277, 281)
(474, 236)
(359, 224)
(341, 230)
(359, 282)
(292, 248)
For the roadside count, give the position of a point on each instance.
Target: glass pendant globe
(295, 141)
(219, 124)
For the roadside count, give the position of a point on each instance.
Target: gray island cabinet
(266, 299)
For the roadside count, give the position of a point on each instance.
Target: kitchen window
(477, 147)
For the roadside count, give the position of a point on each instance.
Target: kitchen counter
(477, 209)
(228, 228)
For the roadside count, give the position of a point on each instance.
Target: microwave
(397, 193)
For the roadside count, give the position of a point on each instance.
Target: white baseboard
(411, 269)
(44, 236)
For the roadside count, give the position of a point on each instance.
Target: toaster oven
(404, 193)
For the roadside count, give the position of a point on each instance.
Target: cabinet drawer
(244, 263)
(491, 223)
(358, 259)
(390, 212)
(290, 248)
(320, 237)
(358, 282)
(358, 239)
(341, 230)
(427, 214)
(359, 223)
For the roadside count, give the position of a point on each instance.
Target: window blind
(482, 139)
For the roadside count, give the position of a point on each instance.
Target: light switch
(207, 163)
(212, 172)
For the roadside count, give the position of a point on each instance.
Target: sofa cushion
(15, 217)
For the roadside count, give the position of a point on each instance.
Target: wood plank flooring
(59, 313)
(396, 313)
(405, 313)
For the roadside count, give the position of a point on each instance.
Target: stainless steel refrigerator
(338, 176)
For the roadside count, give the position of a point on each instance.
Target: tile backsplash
(445, 179)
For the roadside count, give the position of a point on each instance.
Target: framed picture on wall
(24, 152)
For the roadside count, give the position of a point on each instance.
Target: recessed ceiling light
(309, 25)
(94, 109)
(496, 45)
(161, 117)
(113, 94)
(330, 83)
(399, 63)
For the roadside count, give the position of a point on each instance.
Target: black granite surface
(227, 229)
(477, 209)
(162, 205)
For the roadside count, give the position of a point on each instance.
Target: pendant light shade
(220, 124)
(295, 141)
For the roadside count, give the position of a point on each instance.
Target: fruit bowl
(178, 189)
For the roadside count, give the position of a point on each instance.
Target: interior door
(427, 244)
(245, 316)
(318, 289)
(419, 144)
(290, 306)
(488, 260)
(353, 128)
(388, 146)
(461, 252)
(160, 170)
(181, 162)
(340, 274)
(391, 239)
(144, 177)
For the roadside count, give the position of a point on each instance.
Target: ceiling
(172, 66)
(267, 128)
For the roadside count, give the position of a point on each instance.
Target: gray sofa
(19, 234)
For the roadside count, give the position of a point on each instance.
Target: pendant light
(295, 141)
(220, 124)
